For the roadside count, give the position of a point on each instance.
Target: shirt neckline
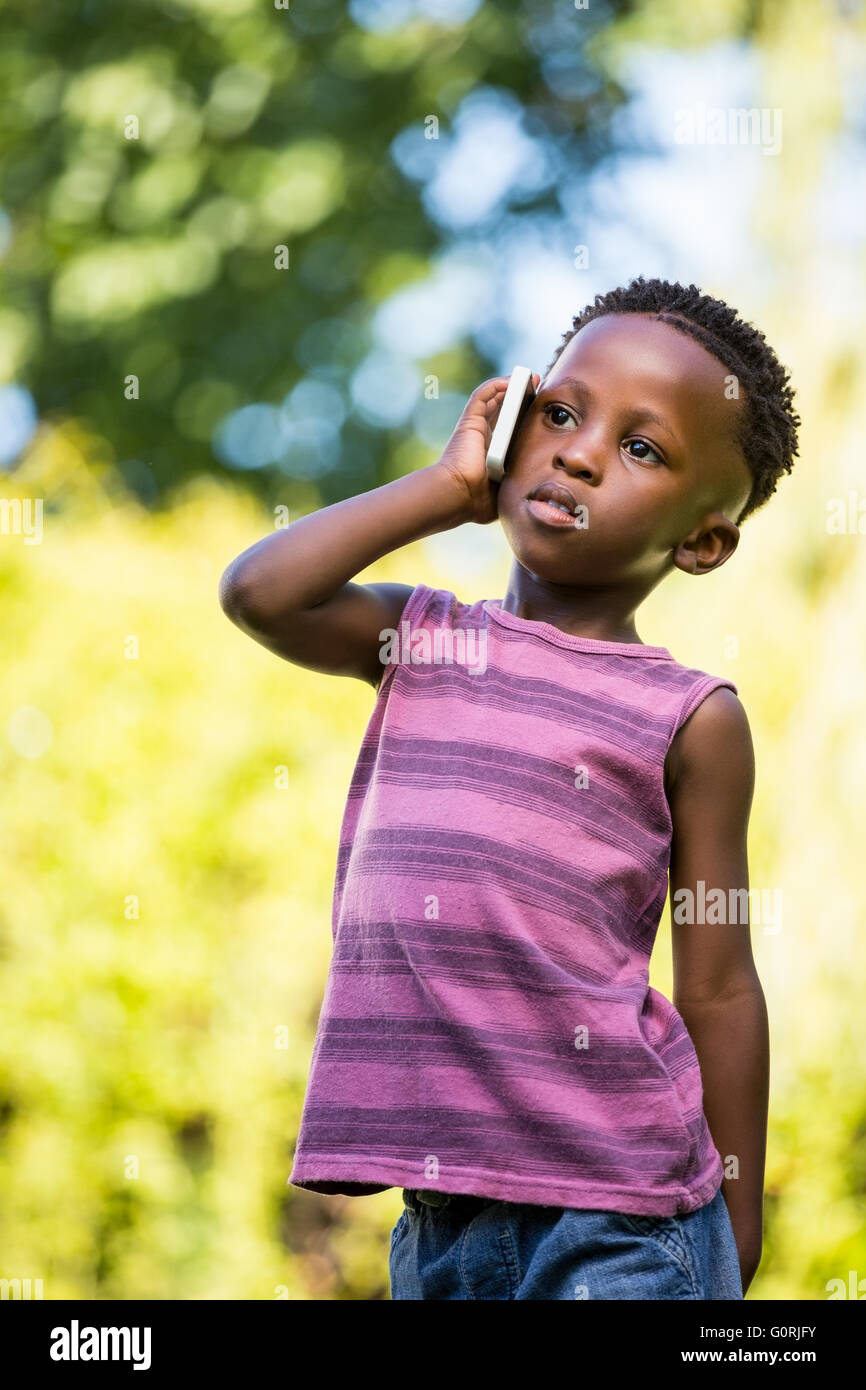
(549, 633)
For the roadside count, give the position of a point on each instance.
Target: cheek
(511, 493)
(508, 508)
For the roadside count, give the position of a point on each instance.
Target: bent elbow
(236, 593)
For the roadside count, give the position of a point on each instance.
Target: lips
(556, 494)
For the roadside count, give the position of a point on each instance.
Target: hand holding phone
(520, 391)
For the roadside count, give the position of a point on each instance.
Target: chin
(552, 556)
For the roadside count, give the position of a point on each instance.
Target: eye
(549, 410)
(648, 454)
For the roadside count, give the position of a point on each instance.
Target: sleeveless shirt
(487, 1025)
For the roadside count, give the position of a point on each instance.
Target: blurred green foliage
(165, 930)
(157, 154)
(169, 854)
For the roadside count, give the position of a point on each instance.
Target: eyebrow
(580, 388)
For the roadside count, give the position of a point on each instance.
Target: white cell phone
(519, 387)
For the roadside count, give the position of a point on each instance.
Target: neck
(602, 615)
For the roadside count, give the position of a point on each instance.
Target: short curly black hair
(768, 435)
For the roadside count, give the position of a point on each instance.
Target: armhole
(413, 610)
(696, 696)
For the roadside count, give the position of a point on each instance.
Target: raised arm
(292, 591)
(716, 987)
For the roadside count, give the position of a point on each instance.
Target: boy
(488, 1039)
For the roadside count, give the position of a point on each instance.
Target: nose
(580, 456)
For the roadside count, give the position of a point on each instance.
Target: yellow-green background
(156, 1035)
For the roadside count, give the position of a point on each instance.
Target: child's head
(664, 416)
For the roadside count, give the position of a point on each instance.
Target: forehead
(639, 351)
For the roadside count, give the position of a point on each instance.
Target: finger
(483, 397)
(488, 390)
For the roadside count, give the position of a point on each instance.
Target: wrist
(453, 491)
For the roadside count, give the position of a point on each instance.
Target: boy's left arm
(709, 779)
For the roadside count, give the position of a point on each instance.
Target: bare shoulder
(714, 747)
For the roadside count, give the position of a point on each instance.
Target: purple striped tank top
(487, 1025)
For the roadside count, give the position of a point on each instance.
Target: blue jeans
(447, 1246)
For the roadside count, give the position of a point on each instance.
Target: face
(633, 426)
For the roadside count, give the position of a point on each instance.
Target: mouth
(553, 504)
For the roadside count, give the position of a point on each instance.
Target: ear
(708, 545)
